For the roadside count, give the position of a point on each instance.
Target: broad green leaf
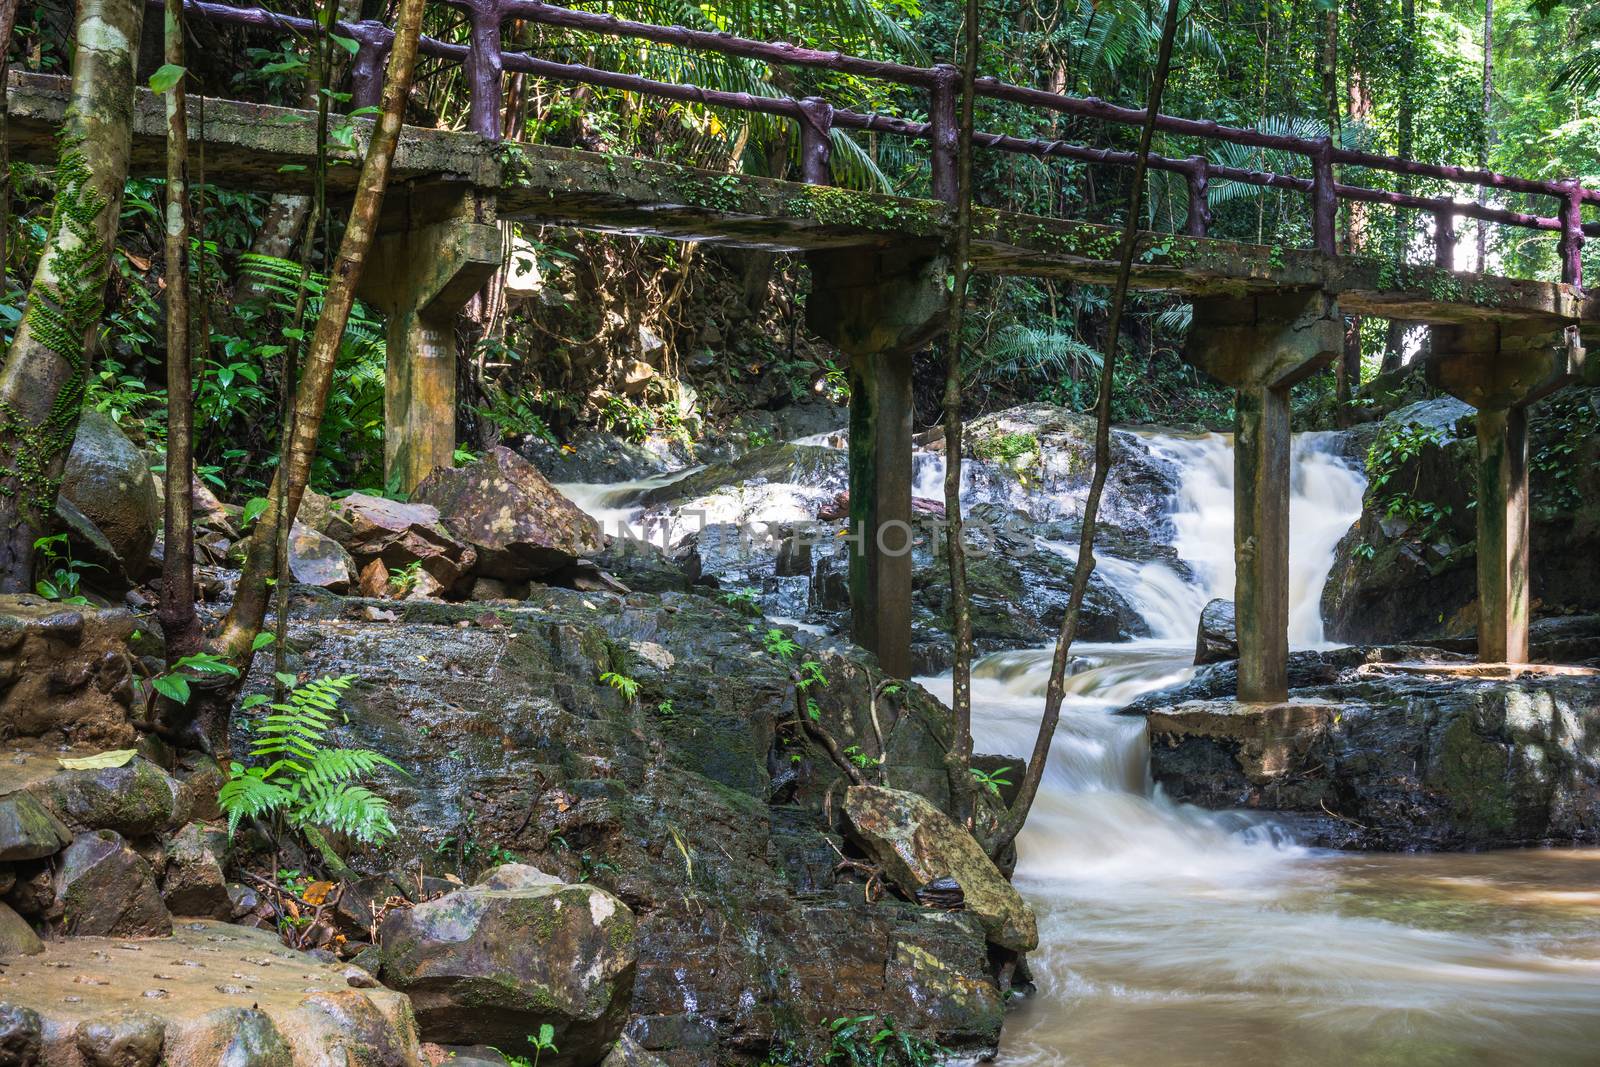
(262, 640)
(99, 761)
(173, 687)
(166, 76)
(346, 43)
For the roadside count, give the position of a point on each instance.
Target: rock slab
(917, 844)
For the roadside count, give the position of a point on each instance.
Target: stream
(1176, 936)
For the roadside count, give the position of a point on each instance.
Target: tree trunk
(8, 20)
(46, 371)
(1488, 128)
(179, 623)
(1394, 340)
(311, 398)
(1017, 815)
(959, 758)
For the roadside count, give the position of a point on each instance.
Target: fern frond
(347, 808)
(248, 794)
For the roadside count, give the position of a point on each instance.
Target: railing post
(484, 68)
(1572, 233)
(1444, 240)
(816, 149)
(943, 131)
(1324, 201)
(373, 42)
(1199, 220)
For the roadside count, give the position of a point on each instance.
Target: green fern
(308, 782)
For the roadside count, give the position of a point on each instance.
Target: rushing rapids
(1176, 935)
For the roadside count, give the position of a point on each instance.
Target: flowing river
(1175, 936)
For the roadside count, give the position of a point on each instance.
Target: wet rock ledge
(1392, 748)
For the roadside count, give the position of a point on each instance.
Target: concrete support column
(1501, 368)
(1262, 345)
(879, 307)
(435, 252)
(1261, 540)
(1503, 535)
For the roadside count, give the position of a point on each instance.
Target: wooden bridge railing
(484, 62)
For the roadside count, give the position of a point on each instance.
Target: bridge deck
(248, 145)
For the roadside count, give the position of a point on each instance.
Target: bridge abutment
(437, 249)
(1262, 345)
(879, 307)
(1501, 368)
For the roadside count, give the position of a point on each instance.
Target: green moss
(1473, 771)
(1006, 447)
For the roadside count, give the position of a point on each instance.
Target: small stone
(17, 938)
(21, 1036)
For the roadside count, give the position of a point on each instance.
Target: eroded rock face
(1218, 638)
(688, 801)
(1395, 755)
(489, 964)
(208, 994)
(918, 844)
(108, 481)
(520, 525)
(105, 889)
(64, 671)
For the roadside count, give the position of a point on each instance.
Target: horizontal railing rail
(484, 62)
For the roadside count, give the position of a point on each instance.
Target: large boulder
(106, 889)
(29, 830)
(493, 962)
(520, 525)
(108, 481)
(400, 534)
(918, 845)
(1218, 637)
(17, 938)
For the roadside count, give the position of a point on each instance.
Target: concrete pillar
(879, 307)
(1503, 535)
(434, 254)
(1501, 368)
(1262, 345)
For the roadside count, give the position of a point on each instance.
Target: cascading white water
(1174, 935)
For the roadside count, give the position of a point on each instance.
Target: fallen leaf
(316, 893)
(115, 758)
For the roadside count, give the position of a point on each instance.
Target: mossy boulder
(29, 830)
(108, 482)
(136, 800)
(491, 963)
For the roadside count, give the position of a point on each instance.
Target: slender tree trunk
(8, 20)
(1488, 128)
(179, 623)
(311, 398)
(46, 370)
(959, 759)
(1014, 819)
(1394, 340)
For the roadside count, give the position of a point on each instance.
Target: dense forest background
(651, 339)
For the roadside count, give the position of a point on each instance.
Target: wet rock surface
(1392, 749)
(686, 801)
(106, 889)
(207, 994)
(1218, 637)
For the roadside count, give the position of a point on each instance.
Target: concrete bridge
(1264, 317)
